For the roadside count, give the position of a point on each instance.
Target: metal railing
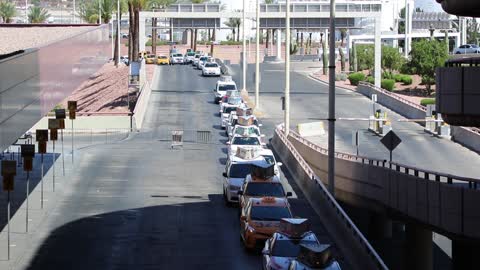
(331, 200)
(392, 95)
(409, 170)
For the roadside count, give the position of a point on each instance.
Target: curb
(326, 83)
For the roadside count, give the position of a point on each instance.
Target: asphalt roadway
(139, 204)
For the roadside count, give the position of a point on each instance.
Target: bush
(340, 77)
(426, 80)
(398, 77)
(231, 42)
(387, 75)
(388, 84)
(370, 80)
(355, 78)
(406, 79)
(427, 101)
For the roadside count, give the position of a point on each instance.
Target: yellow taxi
(150, 59)
(260, 219)
(163, 60)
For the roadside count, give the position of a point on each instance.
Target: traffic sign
(391, 140)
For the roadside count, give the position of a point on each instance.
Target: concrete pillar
(279, 45)
(465, 255)
(419, 248)
(142, 38)
(408, 27)
(378, 52)
(380, 227)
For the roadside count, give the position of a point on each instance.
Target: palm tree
(234, 23)
(7, 11)
(343, 35)
(37, 14)
(123, 9)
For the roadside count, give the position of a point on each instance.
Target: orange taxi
(260, 219)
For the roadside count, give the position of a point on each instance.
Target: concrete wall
(342, 230)
(448, 208)
(33, 82)
(142, 102)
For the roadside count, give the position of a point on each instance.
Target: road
(138, 204)
(309, 102)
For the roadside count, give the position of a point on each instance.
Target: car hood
(265, 227)
(280, 262)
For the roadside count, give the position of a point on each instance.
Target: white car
(239, 141)
(222, 86)
(176, 58)
(189, 56)
(201, 62)
(236, 169)
(314, 258)
(231, 98)
(195, 59)
(251, 130)
(211, 69)
(467, 49)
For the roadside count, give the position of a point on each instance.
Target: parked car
(467, 49)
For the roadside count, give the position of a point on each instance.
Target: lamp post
(331, 103)
(257, 61)
(244, 54)
(118, 32)
(100, 12)
(432, 31)
(74, 11)
(287, 70)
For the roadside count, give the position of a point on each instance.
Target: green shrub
(388, 84)
(398, 77)
(387, 75)
(406, 79)
(231, 42)
(341, 77)
(427, 101)
(355, 78)
(370, 80)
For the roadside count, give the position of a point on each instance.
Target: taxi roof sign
(244, 120)
(244, 111)
(226, 78)
(263, 172)
(315, 256)
(294, 227)
(268, 200)
(247, 152)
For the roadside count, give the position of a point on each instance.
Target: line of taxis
(252, 181)
(199, 60)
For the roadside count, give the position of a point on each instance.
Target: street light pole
(244, 54)
(257, 61)
(74, 10)
(26, 11)
(99, 12)
(331, 103)
(118, 32)
(287, 70)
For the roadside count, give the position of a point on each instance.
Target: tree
(472, 31)
(234, 24)
(343, 35)
(7, 11)
(426, 56)
(365, 56)
(37, 14)
(391, 58)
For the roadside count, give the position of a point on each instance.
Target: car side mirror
(260, 125)
(243, 218)
(240, 192)
(265, 252)
(279, 164)
(230, 134)
(229, 143)
(224, 174)
(289, 194)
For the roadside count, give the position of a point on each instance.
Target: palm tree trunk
(195, 40)
(268, 38)
(238, 32)
(191, 38)
(130, 31)
(136, 30)
(154, 36)
(117, 36)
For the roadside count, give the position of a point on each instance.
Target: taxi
(233, 103)
(237, 167)
(163, 60)
(260, 219)
(222, 86)
(261, 182)
(284, 246)
(150, 59)
(239, 141)
(314, 258)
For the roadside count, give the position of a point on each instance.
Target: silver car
(467, 49)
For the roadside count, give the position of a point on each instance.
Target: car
(201, 62)
(260, 219)
(150, 59)
(195, 59)
(314, 258)
(238, 141)
(467, 49)
(237, 167)
(243, 127)
(176, 58)
(163, 60)
(222, 86)
(233, 103)
(284, 246)
(232, 98)
(211, 69)
(262, 182)
(189, 56)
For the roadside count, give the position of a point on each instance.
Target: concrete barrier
(437, 200)
(142, 102)
(344, 232)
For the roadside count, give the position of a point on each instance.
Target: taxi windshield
(229, 109)
(257, 189)
(290, 248)
(226, 87)
(268, 213)
(247, 131)
(269, 159)
(211, 65)
(239, 170)
(246, 141)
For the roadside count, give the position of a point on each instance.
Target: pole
(257, 61)
(41, 184)
(8, 225)
(287, 70)
(72, 141)
(74, 11)
(118, 51)
(53, 160)
(113, 42)
(99, 12)
(391, 158)
(63, 153)
(244, 47)
(26, 11)
(331, 102)
(28, 191)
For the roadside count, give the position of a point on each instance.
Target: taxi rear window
(257, 189)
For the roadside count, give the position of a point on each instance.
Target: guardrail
(383, 91)
(409, 170)
(332, 203)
